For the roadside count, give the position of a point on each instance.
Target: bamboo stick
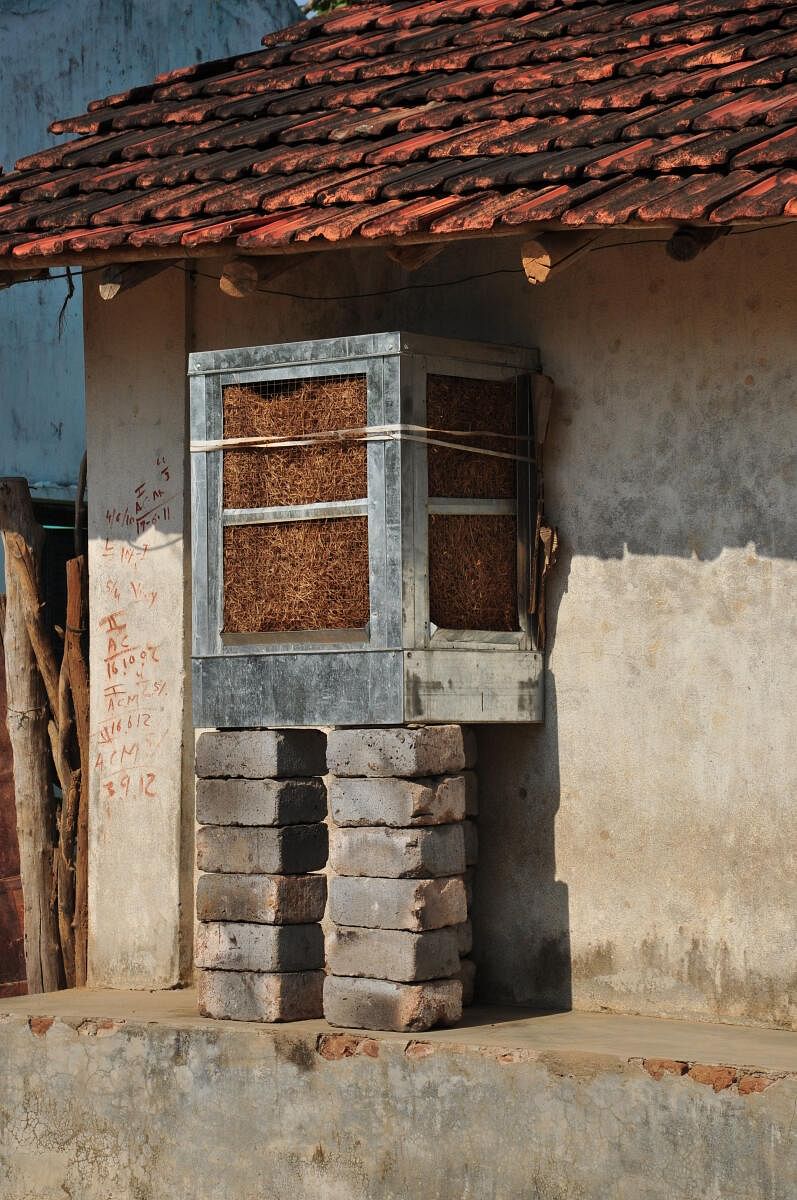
(79, 686)
(20, 561)
(27, 727)
(65, 861)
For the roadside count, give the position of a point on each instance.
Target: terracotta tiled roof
(427, 117)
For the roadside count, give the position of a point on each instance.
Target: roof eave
(226, 249)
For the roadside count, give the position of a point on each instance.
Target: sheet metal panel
(398, 668)
(259, 690)
(473, 687)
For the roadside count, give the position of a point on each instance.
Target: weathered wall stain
(95, 1117)
(634, 851)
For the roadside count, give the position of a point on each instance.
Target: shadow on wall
(665, 761)
(528, 963)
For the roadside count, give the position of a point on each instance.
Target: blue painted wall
(55, 56)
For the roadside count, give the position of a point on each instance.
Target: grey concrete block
(381, 1004)
(471, 793)
(469, 879)
(234, 946)
(465, 938)
(394, 954)
(264, 899)
(260, 801)
(291, 850)
(398, 802)
(471, 843)
(467, 977)
(418, 751)
(249, 996)
(398, 853)
(261, 754)
(413, 904)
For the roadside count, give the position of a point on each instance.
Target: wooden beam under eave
(412, 258)
(690, 240)
(243, 275)
(220, 250)
(549, 254)
(118, 278)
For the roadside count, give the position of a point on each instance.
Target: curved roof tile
(432, 118)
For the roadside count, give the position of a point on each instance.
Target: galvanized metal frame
(387, 672)
(425, 505)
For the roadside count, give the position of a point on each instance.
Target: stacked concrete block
(261, 807)
(398, 903)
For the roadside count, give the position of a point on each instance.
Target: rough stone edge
(574, 1064)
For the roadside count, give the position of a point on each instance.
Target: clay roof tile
(390, 119)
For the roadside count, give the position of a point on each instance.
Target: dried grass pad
(302, 575)
(472, 404)
(290, 408)
(473, 572)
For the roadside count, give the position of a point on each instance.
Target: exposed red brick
(719, 1078)
(659, 1067)
(749, 1084)
(40, 1025)
(416, 1050)
(335, 1046)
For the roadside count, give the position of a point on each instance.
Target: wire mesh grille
(290, 408)
(301, 575)
(488, 405)
(473, 572)
(473, 580)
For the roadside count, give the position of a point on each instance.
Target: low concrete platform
(112, 1095)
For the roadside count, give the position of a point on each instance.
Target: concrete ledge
(133, 1095)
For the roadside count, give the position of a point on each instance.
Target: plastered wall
(636, 851)
(139, 825)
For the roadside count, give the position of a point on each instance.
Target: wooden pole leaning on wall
(67, 691)
(27, 727)
(74, 665)
(19, 561)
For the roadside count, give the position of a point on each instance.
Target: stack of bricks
(397, 893)
(261, 805)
